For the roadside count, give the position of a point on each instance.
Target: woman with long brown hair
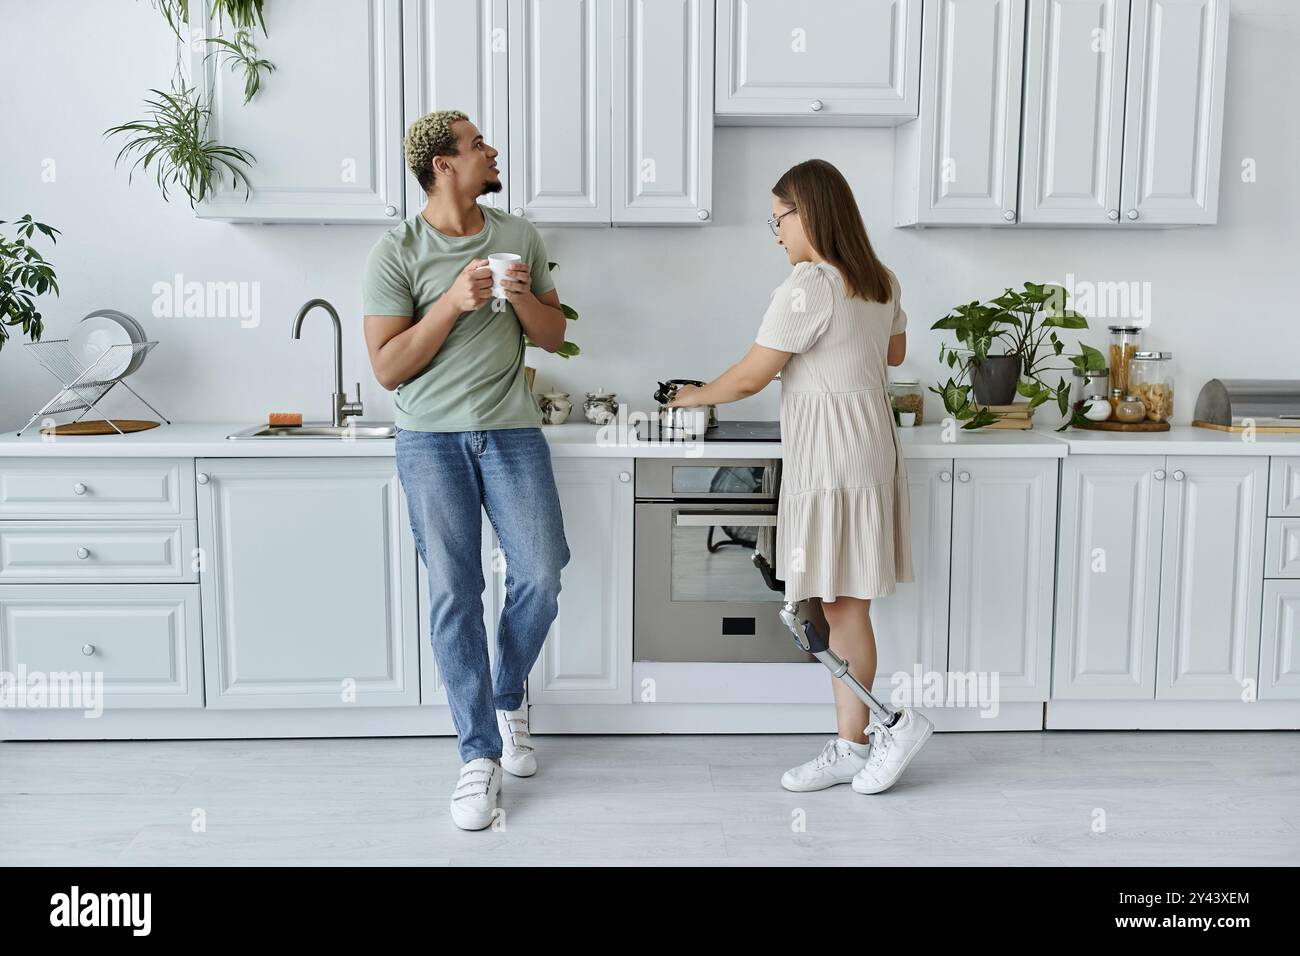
(842, 536)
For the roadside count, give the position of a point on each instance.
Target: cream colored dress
(843, 514)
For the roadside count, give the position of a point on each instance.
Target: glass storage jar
(1125, 340)
(1130, 410)
(906, 395)
(1084, 384)
(1151, 378)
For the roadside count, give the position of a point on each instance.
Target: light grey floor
(1062, 798)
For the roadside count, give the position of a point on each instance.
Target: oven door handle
(710, 519)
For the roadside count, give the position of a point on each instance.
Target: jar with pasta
(1124, 341)
(908, 401)
(1151, 378)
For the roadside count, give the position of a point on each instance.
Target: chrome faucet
(342, 408)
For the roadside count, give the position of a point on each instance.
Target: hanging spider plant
(242, 54)
(243, 14)
(174, 142)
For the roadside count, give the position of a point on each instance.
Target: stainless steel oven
(698, 595)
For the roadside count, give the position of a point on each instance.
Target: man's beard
(490, 186)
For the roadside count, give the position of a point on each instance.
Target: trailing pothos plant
(172, 139)
(1024, 320)
(24, 275)
(568, 349)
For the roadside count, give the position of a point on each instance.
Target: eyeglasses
(774, 222)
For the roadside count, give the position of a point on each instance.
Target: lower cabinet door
(308, 583)
(1279, 648)
(137, 645)
(587, 658)
(1212, 576)
(1003, 565)
(911, 625)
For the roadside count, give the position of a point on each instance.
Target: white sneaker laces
(827, 757)
(879, 744)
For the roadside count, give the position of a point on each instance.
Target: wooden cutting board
(100, 427)
(1109, 426)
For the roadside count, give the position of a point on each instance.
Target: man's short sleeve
(385, 288)
(538, 268)
(800, 312)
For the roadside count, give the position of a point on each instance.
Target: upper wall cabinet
(456, 59)
(1173, 123)
(325, 129)
(1123, 112)
(559, 115)
(835, 62)
(958, 164)
(662, 114)
(1075, 58)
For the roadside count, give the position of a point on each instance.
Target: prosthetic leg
(808, 626)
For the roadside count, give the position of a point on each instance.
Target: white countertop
(582, 440)
(570, 440)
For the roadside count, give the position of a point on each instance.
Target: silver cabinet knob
(1009, 215)
(625, 476)
(87, 649)
(963, 476)
(83, 553)
(390, 210)
(1160, 474)
(1178, 475)
(1112, 214)
(78, 489)
(518, 211)
(1132, 213)
(945, 476)
(702, 215)
(201, 478)
(815, 106)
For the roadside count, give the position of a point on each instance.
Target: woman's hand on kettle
(685, 397)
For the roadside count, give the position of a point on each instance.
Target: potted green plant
(1024, 321)
(567, 350)
(24, 275)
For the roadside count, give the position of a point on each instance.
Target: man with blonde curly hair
(469, 437)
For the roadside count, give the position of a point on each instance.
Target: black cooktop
(723, 431)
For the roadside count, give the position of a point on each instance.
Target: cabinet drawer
(1279, 646)
(97, 551)
(100, 488)
(1282, 548)
(1284, 487)
(142, 639)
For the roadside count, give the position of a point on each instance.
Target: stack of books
(1015, 415)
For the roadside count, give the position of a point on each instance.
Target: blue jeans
(449, 479)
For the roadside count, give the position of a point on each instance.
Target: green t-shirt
(476, 380)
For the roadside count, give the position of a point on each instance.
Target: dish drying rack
(83, 386)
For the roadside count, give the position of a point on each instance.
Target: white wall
(655, 303)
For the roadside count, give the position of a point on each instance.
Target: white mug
(499, 262)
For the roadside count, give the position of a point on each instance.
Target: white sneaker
(477, 794)
(837, 763)
(892, 749)
(516, 746)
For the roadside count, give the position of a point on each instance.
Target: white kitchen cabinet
(432, 690)
(587, 658)
(65, 552)
(847, 62)
(1076, 54)
(1212, 576)
(308, 583)
(1003, 563)
(326, 129)
(958, 164)
(142, 638)
(1108, 577)
(559, 151)
(1279, 652)
(1173, 121)
(1283, 487)
(662, 111)
(911, 625)
(455, 58)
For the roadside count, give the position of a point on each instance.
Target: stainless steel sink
(320, 430)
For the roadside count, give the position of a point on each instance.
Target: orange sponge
(283, 419)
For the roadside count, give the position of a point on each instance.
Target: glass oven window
(714, 562)
(722, 480)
